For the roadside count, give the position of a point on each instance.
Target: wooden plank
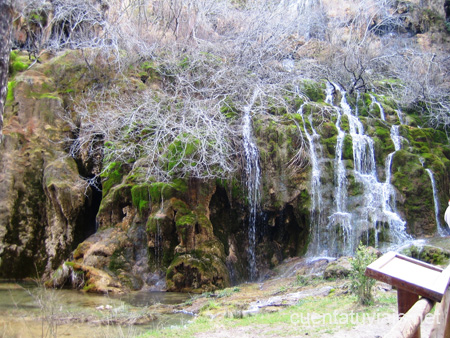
(410, 274)
(410, 323)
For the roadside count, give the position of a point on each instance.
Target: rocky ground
(298, 302)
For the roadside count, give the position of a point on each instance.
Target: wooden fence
(413, 279)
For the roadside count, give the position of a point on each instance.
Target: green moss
(113, 175)
(428, 254)
(13, 56)
(18, 66)
(382, 133)
(330, 144)
(234, 186)
(418, 135)
(197, 272)
(163, 190)
(53, 96)
(347, 151)
(305, 201)
(313, 90)
(10, 92)
(229, 109)
(181, 152)
(375, 110)
(118, 261)
(344, 124)
(140, 196)
(439, 136)
(354, 188)
(363, 110)
(186, 220)
(328, 129)
(383, 142)
(88, 287)
(17, 63)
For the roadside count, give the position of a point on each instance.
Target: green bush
(361, 285)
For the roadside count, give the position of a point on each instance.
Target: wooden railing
(413, 279)
(409, 325)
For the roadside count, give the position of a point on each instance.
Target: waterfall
(158, 245)
(400, 116)
(395, 137)
(388, 189)
(325, 240)
(253, 178)
(440, 229)
(315, 150)
(159, 235)
(371, 213)
(340, 218)
(374, 101)
(340, 178)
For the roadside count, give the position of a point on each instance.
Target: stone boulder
(339, 268)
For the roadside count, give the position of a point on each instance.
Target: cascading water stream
(374, 101)
(388, 189)
(379, 197)
(371, 212)
(440, 229)
(158, 235)
(400, 116)
(315, 149)
(397, 140)
(253, 179)
(340, 218)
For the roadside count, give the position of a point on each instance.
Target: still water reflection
(28, 311)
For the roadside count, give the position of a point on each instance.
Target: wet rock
(429, 254)
(340, 268)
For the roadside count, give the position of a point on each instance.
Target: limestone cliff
(94, 213)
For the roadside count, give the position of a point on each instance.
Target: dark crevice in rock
(87, 224)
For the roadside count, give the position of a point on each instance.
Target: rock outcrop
(105, 226)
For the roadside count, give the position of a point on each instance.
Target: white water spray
(371, 212)
(440, 229)
(253, 179)
(315, 150)
(374, 101)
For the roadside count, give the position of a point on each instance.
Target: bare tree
(169, 137)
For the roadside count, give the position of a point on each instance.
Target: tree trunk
(5, 47)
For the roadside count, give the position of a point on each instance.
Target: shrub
(361, 285)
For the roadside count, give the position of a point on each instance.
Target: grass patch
(312, 316)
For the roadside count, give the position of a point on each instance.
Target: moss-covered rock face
(426, 149)
(197, 272)
(45, 203)
(429, 254)
(187, 235)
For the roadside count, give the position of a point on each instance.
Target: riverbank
(289, 305)
(302, 298)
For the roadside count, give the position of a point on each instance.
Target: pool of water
(30, 311)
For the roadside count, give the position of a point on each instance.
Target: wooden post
(405, 301)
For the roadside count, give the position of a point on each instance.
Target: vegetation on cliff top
(194, 68)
